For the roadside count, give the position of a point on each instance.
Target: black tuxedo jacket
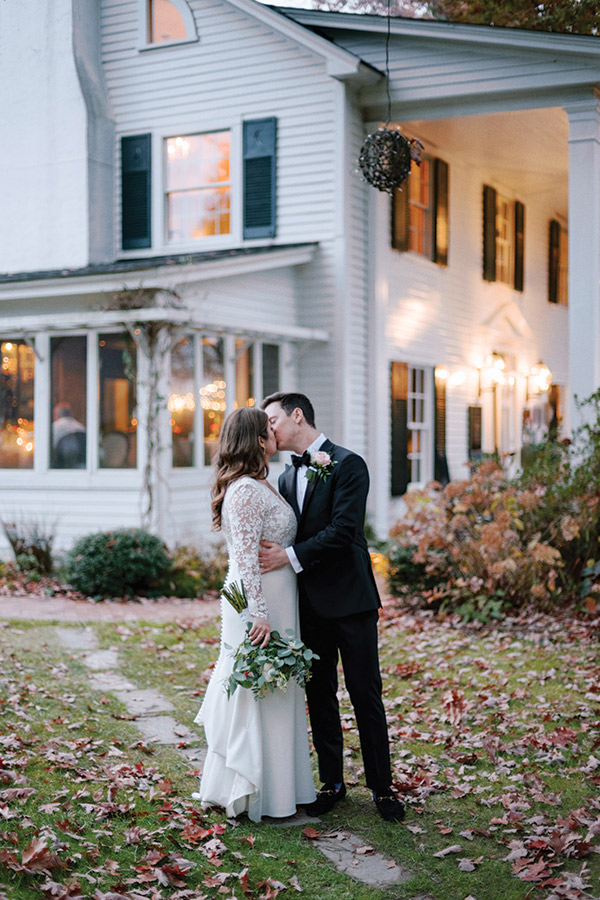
(337, 578)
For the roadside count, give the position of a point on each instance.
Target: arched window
(169, 21)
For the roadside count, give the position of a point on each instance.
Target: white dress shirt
(301, 485)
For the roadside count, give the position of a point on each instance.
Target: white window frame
(187, 15)
(229, 364)
(415, 207)
(424, 456)
(160, 241)
(505, 239)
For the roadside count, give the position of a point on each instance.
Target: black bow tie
(303, 460)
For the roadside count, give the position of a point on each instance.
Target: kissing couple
(304, 563)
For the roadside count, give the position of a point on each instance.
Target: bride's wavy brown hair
(239, 453)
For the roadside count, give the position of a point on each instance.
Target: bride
(258, 756)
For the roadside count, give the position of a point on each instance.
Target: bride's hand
(260, 631)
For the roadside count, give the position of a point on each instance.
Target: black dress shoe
(389, 807)
(327, 797)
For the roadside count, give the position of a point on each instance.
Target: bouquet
(263, 669)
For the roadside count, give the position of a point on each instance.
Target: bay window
(68, 399)
(16, 405)
(91, 391)
(117, 357)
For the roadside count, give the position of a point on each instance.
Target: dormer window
(168, 22)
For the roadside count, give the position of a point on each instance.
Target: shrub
(489, 542)
(194, 572)
(31, 543)
(118, 563)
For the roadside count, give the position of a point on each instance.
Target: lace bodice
(253, 512)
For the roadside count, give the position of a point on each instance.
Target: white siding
(239, 69)
(451, 317)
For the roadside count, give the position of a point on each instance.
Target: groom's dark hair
(291, 401)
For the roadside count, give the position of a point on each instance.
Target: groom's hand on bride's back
(271, 557)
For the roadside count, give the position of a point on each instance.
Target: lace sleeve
(246, 507)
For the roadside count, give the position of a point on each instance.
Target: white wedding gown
(258, 757)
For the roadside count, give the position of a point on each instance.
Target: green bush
(118, 563)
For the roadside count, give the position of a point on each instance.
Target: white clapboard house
(184, 229)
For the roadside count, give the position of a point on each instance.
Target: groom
(327, 487)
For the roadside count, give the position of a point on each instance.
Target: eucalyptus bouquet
(263, 669)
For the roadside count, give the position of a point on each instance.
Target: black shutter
(489, 233)
(136, 192)
(399, 411)
(519, 245)
(553, 260)
(440, 213)
(474, 432)
(400, 219)
(440, 463)
(260, 178)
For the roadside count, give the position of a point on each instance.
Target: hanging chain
(387, 64)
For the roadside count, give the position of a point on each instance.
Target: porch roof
(152, 272)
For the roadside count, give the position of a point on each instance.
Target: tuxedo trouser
(354, 638)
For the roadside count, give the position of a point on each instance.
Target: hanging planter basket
(385, 159)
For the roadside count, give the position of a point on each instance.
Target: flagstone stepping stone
(143, 702)
(101, 659)
(194, 755)
(164, 730)
(300, 818)
(78, 638)
(110, 681)
(354, 858)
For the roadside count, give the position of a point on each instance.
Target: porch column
(584, 251)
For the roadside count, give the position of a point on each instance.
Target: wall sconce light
(538, 380)
(441, 374)
(491, 373)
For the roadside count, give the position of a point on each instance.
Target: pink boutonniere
(321, 466)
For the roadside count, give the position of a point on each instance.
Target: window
(117, 357)
(244, 373)
(16, 405)
(416, 424)
(198, 186)
(270, 369)
(412, 450)
(68, 398)
(182, 403)
(420, 211)
(169, 21)
(212, 393)
(558, 264)
(503, 239)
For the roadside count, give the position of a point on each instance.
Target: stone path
(344, 850)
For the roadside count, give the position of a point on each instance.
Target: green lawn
(495, 744)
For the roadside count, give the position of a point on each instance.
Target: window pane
(68, 399)
(166, 22)
(212, 393)
(182, 403)
(118, 421)
(244, 373)
(198, 214)
(16, 405)
(198, 185)
(270, 369)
